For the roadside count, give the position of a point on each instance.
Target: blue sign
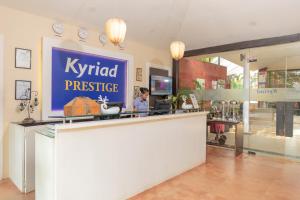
(81, 74)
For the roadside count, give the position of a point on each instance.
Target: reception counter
(116, 159)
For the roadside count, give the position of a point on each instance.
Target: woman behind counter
(140, 104)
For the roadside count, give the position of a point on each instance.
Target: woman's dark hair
(144, 90)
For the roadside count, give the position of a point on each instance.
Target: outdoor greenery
(176, 99)
(282, 78)
(236, 81)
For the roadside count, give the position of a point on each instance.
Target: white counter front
(117, 159)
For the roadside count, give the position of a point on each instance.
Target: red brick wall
(190, 70)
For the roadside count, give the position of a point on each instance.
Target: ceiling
(198, 23)
(272, 57)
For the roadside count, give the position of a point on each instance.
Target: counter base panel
(118, 162)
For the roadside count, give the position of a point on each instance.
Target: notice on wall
(76, 73)
(194, 101)
(262, 79)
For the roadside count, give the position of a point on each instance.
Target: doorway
(274, 99)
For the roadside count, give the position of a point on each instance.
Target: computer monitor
(160, 85)
(162, 106)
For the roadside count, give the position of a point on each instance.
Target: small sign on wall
(22, 90)
(23, 58)
(194, 101)
(136, 92)
(139, 74)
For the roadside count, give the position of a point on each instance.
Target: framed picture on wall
(139, 74)
(136, 92)
(22, 58)
(22, 90)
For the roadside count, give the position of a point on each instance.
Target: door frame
(1, 103)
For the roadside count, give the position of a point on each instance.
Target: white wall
(1, 105)
(25, 30)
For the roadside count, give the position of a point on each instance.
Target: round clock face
(82, 33)
(58, 28)
(103, 39)
(122, 46)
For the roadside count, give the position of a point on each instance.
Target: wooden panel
(158, 72)
(81, 106)
(190, 70)
(175, 76)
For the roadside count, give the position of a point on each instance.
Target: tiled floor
(9, 192)
(263, 138)
(222, 177)
(225, 178)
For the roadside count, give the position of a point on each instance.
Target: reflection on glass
(276, 79)
(274, 123)
(275, 95)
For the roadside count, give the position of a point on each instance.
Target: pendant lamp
(115, 29)
(177, 50)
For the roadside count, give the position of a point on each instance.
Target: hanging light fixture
(177, 50)
(115, 29)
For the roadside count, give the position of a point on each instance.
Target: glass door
(274, 107)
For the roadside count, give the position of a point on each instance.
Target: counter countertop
(38, 123)
(115, 122)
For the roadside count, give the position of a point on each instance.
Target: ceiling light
(177, 50)
(115, 29)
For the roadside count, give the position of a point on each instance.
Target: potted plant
(176, 100)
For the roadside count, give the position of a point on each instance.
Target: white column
(1, 104)
(246, 92)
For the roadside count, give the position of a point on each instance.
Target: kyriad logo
(74, 65)
(76, 73)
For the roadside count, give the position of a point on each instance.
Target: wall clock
(122, 46)
(103, 39)
(82, 33)
(58, 28)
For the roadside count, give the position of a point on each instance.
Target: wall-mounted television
(160, 85)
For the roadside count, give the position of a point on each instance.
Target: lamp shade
(177, 49)
(115, 29)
